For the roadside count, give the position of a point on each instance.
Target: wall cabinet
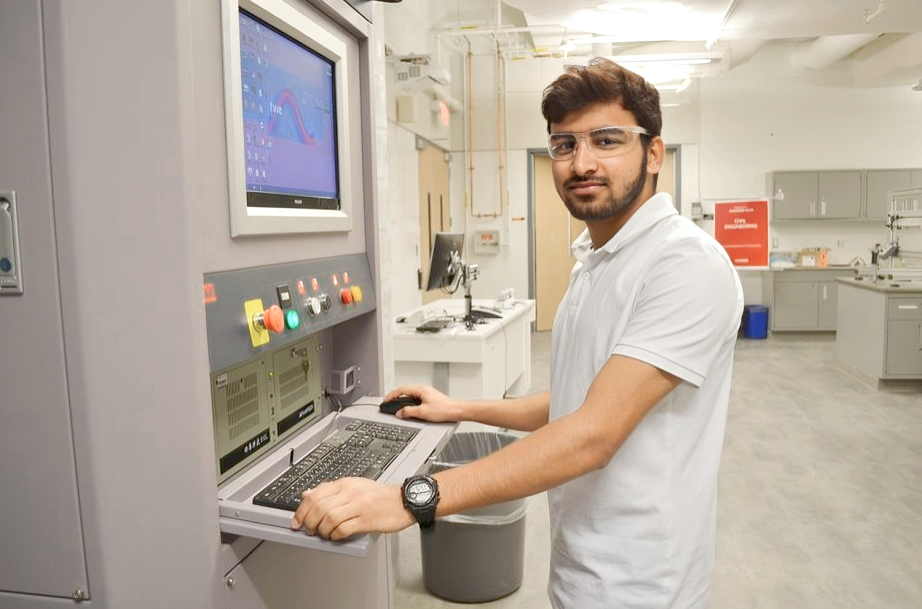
(805, 195)
(879, 184)
(837, 194)
(805, 300)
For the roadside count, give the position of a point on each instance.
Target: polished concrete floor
(820, 492)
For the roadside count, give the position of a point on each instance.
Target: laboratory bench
(488, 361)
(879, 337)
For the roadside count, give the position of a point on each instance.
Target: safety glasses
(604, 142)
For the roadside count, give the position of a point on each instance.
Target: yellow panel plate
(258, 336)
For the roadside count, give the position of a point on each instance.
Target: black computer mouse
(392, 406)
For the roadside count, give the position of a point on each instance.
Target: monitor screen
(289, 120)
(445, 262)
(288, 78)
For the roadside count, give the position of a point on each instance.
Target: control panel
(265, 329)
(251, 311)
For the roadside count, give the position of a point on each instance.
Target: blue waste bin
(755, 321)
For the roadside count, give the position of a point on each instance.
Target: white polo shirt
(640, 532)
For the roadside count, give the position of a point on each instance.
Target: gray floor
(820, 493)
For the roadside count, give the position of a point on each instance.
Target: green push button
(292, 319)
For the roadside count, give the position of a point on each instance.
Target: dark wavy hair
(603, 80)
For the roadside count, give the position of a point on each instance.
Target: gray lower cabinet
(904, 337)
(880, 332)
(805, 300)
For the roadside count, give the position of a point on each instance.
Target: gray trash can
(475, 556)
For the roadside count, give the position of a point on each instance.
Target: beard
(581, 207)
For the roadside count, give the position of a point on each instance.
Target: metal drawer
(905, 308)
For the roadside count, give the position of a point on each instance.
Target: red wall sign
(742, 228)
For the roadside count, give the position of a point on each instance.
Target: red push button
(274, 319)
(346, 296)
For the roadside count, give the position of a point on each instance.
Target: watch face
(420, 492)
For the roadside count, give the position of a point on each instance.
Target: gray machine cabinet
(43, 551)
(279, 575)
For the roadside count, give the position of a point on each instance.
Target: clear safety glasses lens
(604, 142)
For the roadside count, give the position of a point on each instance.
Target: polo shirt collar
(656, 208)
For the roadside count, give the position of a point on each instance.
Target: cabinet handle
(824, 293)
(823, 206)
(812, 207)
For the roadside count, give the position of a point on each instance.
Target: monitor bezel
(443, 244)
(246, 220)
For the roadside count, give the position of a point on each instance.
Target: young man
(628, 440)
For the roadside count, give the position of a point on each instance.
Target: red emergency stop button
(274, 319)
(346, 296)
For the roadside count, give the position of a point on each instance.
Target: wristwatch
(421, 496)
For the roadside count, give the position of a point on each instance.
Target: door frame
(531, 154)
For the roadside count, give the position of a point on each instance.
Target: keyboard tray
(362, 448)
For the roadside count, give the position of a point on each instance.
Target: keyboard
(434, 325)
(362, 449)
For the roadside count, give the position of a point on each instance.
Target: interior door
(667, 176)
(555, 229)
(434, 210)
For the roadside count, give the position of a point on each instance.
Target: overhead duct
(827, 50)
(896, 59)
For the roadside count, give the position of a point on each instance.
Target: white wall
(406, 31)
(768, 116)
(764, 115)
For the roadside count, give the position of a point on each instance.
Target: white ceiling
(747, 19)
(881, 39)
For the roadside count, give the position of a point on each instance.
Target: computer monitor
(445, 263)
(286, 92)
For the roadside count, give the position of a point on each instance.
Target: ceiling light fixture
(678, 59)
